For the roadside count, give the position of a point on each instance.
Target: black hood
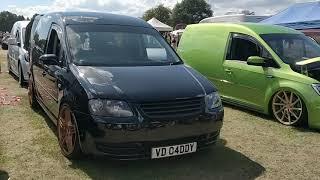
(142, 84)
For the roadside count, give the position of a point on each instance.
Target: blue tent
(298, 16)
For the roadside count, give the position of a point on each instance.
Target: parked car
(4, 41)
(115, 87)
(269, 69)
(17, 56)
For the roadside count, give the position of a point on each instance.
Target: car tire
(68, 134)
(288, 108)
(20, 78)
(9, 65)
(31, 95)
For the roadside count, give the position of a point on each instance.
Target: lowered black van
(113, 86)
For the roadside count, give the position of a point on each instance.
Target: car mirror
(12, 41)
(256, 61)
(49, 59)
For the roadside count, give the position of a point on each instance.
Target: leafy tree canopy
(160, 12)
(7, 19)
(191, 11)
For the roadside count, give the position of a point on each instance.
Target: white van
(18, 63)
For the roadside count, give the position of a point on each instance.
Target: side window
(18, 36)
(242, 47)
(54, 46)
(41, 33)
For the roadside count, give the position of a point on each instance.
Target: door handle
(44, 73)
(270, 76)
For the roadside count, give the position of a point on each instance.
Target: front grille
(173, 109)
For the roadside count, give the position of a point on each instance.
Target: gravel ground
(252, 146)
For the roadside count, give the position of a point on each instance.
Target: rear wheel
(288, 108)
(31, 94)
(68, 134)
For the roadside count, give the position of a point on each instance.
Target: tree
(191, 11)
(160, 12)
(7, 19)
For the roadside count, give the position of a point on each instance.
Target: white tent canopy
(158, 25)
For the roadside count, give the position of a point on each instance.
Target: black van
(113, 86)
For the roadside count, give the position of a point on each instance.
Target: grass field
(252, 146)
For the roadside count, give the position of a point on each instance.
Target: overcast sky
(137, 7)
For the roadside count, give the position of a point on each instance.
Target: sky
(136, 7)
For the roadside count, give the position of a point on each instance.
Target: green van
(266, 68)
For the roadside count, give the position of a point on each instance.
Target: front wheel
(31, 95)
(21, 78)
(68, 135)
(288, 108)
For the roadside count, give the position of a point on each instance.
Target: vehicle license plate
(175, 150)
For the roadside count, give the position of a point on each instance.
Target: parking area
(251, 146)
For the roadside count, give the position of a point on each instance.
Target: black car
(115, 87)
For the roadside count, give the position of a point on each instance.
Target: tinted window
(23, 34)
(292, 48)
(54, 46)
(242, 47)
(41, 33)
(29, 32)
(109, 45)
(18, 36)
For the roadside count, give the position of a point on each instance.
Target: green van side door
(250, 83)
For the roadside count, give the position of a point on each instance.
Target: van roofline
(87, 17)
(255, 27)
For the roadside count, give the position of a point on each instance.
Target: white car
(18, 62)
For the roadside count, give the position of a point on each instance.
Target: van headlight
(213, 101)
(316, 87)
(111, 108)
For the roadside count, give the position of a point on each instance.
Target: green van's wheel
(288, 108)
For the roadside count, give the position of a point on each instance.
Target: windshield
(110, 45)
(292, 48)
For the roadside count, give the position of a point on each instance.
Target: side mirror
(49, 59)
(12, 41)
(256, 61)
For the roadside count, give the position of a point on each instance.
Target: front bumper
(126, 141)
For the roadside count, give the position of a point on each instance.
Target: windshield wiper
(176, 63)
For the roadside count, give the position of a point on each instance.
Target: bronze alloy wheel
(287, 107)
(67, 133)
